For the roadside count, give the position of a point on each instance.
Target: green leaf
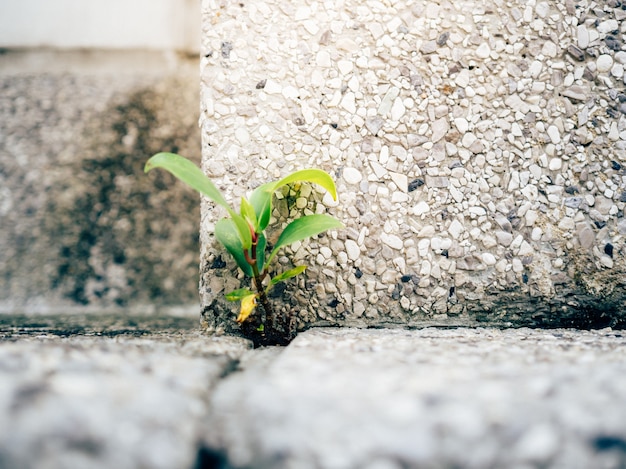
(302, 228)
(193, 176)
(247, 212)
(188, 173)
(226, 233)
(238, 294)
(316, 176)
(261, 197)
(243, 230)
(288, 274)
(261, 200)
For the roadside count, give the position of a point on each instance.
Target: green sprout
(243, 233)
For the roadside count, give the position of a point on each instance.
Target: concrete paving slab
(431, 398)
(99, 400)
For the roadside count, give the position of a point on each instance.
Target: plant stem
(267, 307)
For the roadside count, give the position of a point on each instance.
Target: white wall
(101, 24)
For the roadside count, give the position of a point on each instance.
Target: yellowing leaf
(248, 303)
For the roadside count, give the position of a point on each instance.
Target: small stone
(504, 238)
(348, 102)
(608, 26)
(613, 43)
(353, 250)
(271, 87)
(226, 48)
(352, 175)
(345, 66)
(555, 164)
(566, 224)
(576, 92)
(461, 124)
(586, 236)
(488, 258)
(428, 47)
(391, 240)
(397, 110)
(606, 261)
(462, 80)
(483, 51)
(576, 52)
(573, 202)
(617, 71)
(400, 180)
(549, 49)
(374, 124)
(421, 208)
(443, 38)
(542, 9)
(439, 127)
(604, 63)
(536, 233)
(554, 134)
(358, 309)
(413, 185)
(437, 181)
(583, 36)
(455, 229)
(323, 59)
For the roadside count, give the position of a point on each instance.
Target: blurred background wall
(88, 91)
(101, 24)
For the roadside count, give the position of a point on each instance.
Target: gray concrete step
(334, 398)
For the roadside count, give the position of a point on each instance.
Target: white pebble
(421, 208)
(352, 175)
(391, 240)
(554, 134)
(608, 26)
(488, 258)
(604, 63)
(455, 229)
(483, 51)
(461, 124)
(555, 164)
(353, 250)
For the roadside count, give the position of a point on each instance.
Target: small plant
(243, 236)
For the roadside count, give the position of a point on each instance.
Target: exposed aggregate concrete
(138, 392)
(479, 150)
(433, 398)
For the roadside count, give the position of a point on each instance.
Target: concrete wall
(479, 153)
(81, 226)
(101, 24)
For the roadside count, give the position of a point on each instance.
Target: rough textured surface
(82, 392)
(153, 392)
(479, 150)
(462, 398)
(80, 224)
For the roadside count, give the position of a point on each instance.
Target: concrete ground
(154, 392)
